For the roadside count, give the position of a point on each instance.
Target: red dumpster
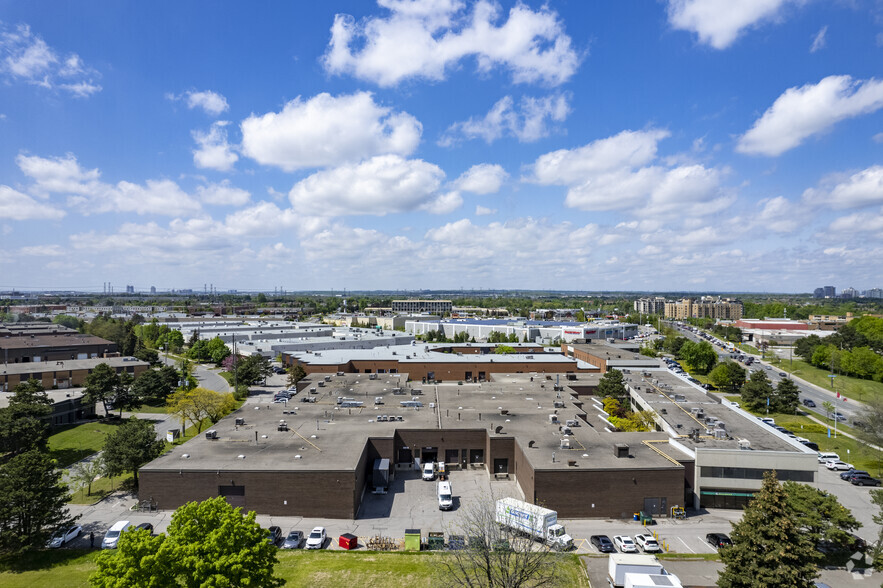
(348, 541)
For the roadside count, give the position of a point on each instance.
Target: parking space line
(685, 544)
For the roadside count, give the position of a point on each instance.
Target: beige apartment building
(705, 307)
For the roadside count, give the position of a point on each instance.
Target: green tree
(85, 472)
(32, 501)
(296, 373)
(769, 548)
(101, 386)
(877, 550)
(208, 544)
(175, 341)
(613, 385)
(151, 356)
(504, 349)
(66, 320)
(821, 515)
(829, 408)
(700, 355)
(728, 376)
(673, 344)
(252, 369)
(130, 446)
(786, 398)
(23, 424)
(123, 396)
(153, 387)
(757, 391)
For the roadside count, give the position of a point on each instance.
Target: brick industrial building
(62, 346)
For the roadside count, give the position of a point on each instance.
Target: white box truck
(536, 521)
(620, 564)
(652, 581)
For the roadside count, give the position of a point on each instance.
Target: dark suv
(809, 403)
(863, 480)
(718, 540)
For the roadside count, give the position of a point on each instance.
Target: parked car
(62, 536)
(647, 542)
(146, 526)
(808, 402)
(602, 543)
(840, 417)
(316, 540)
(852, 471)
(293, 540)
(718, 540)
(811, 444)
(274, 533)
(113, 534)
(863, 480)
(837, 465)
(625, 544)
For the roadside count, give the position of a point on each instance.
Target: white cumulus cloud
(484, 178)
(719, 22)
(863, 188)
(378, 186)
(808, 110)
(223, 194)
(423, 39)
(484, 211)
(529, 122)
(327, 130)
(213, 151)
(26, 57)
(17, 206)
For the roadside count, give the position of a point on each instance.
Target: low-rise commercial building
(62, 374)
(423, 306)
(533, 331)
(62, 346)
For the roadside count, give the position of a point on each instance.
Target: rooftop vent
(498, 429)
(531, 443)
(621, 450)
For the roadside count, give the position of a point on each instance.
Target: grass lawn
(748, 348)
(71, 444)
(152, 409)
(861, 390)
(63, 567)
(100, 488)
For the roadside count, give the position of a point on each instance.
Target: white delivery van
(429, 471)
(445, 496)
(113, 534)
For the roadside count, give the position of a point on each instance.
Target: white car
(316, 540)
(836, 464)
(62, 536)
(647, 543)
(625, 544)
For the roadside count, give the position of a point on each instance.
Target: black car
(718, 540)
(603, 543)
(809, 403)
(146, 526)
(811, 444)
(863, 480)
(852, 472)
(274, 533)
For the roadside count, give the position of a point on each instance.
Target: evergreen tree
(820, 515)
(769, 548)
(101, 385)
(23, 423)
(132, 445)
(32, 501)
(756, 391)
(787, 397)
(612, 385)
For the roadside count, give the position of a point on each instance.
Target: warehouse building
(535, 331)
(62, 346)
(64, 374)
(423, 306)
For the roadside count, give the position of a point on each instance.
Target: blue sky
(403, 144)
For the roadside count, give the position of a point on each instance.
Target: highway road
(851, 409)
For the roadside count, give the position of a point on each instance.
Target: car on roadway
(809, 403)
(63, 536)
(863, 480)
(647, 543)
(837, 465)
(602, 543)
(851, 472)
(840, 417)
(316, 540)
(718, 540)
(274, 533)
(625, 544)
(783, 375)
(293, 540)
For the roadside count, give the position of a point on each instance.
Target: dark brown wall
(615, 493)
(443, 440)
(309, 494)
(525, 476)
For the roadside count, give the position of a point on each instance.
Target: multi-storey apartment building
(705, 307)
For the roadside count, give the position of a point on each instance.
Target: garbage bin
(637, 516)
(435, 541)
(348, 541)
(412, 539)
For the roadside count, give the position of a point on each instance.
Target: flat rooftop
(27, 341)
(38, 367)
(685, 407)
(325, 436)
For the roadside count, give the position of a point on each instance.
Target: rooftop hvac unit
(566, 430)
(240, 421)
(620, 450)
(553, 418)
(571, 423)
(558, 404)
(565, 443)
(212, 434)
(720, 433)
(710, 420)
(744, 444)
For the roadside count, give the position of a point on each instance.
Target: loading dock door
(235, 495)
(451, 455)
(501, 465)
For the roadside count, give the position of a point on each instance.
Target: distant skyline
(677, 145)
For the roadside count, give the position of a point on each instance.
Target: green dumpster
(412, 539)
(646, 518)
(435, 541)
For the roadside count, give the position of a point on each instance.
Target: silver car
(293, 540)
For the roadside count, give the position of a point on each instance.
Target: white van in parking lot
(112, 537)
(445, 496)
(429, 471)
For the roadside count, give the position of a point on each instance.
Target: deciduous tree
(130, 446)
(85, 472)
(769, 548)
(296, 373)
(101, 386)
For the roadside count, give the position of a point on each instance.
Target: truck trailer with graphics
(536, 521)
